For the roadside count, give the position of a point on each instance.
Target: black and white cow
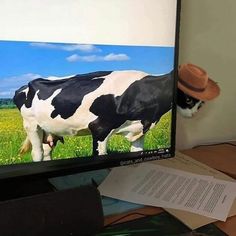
(100, 103)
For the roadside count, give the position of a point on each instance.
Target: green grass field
(12, 135)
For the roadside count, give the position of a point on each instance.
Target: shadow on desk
(162, 224)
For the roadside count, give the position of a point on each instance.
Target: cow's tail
(26, 146)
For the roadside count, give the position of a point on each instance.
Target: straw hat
(195, 82)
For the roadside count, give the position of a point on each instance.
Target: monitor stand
(34, 207)
(19, 188)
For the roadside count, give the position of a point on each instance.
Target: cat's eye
(188, 100)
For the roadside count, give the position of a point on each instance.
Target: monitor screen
(90, 103)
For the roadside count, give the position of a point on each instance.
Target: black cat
(187, 106)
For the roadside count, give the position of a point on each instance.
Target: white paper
(155, 185)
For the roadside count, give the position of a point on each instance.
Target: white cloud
(116, 57)
(73, 58)
(94, 58)
(76, 57)
(81, 47)
(9, 85)
(44, 45)
(6, 94)
(69, 47)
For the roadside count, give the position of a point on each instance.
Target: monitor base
(18, 188)
(75, 211)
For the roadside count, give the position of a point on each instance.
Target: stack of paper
(200, 190)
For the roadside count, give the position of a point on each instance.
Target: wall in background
(208, 39)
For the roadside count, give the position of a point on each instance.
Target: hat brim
(212, 91)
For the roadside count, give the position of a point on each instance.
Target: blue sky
(21, 62)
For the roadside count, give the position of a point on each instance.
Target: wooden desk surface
(221, 157)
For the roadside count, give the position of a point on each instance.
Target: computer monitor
(83, 105)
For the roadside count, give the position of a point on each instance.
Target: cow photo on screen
(63, 100)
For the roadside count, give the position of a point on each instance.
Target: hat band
(190, 86)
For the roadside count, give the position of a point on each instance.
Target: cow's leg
(95, 145)
(47, 152)
(102, 145)
(137, 145)
(101, 131)
(35, 135)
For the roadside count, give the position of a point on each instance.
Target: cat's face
(187, 106)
